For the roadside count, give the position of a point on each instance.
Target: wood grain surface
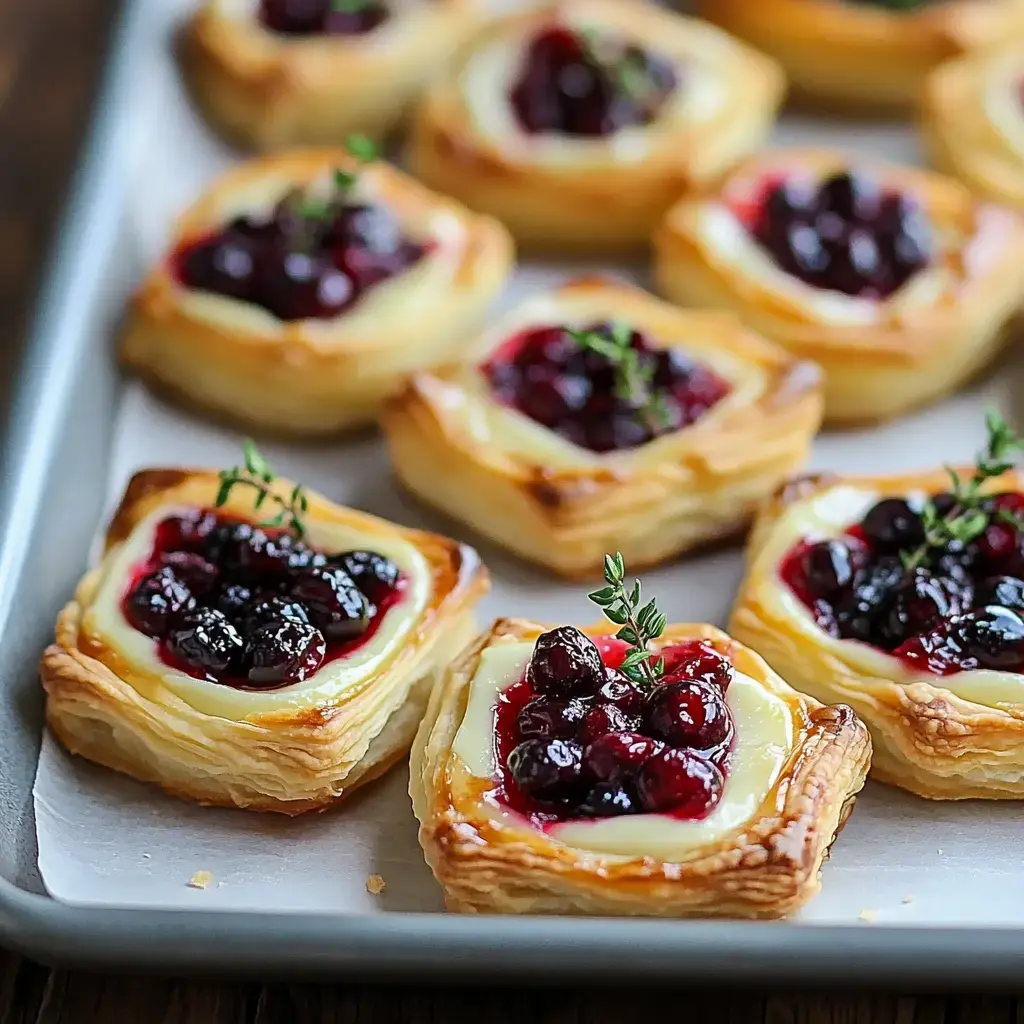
(51, 52)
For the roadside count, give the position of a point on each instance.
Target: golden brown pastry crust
(310, 377)
(963, 102)
(861, 58)
(918, 348)
(289, 760)
(267, 91)
(766, 870)
(926, 739)
(591, 200)
(703, 484)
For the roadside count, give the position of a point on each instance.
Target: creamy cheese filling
(1001, 103)
(829, 514)
(105, 620)
(764, 740)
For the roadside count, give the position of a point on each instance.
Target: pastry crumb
(868, 915)
(939, 852)
(908, 899)
(200, 880)
(147, 856)
(375, 885)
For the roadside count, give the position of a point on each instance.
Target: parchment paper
(108, 840)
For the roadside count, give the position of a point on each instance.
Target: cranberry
(679, 781)
(155, 600)
(892, 525)
(545, 718)
(222, 265)
(621, 692)
(273, 609)
(186, 532)
(565, 663)
(605, 718)
(283, 651)
(617, 755)
(335, 605)
(994, 638)
(1007, 591)
(692, 714)
(697, 659)
(608, 800)
(205, 638)
(999, 546)
(546, 768)
(829, 567)
(297, 286)
(198, 574)
(373, 574)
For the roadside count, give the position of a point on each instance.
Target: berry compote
(577, 392)
(844, 233)
(322, 17)
(954, 609)
(307, 260)
(574, 83)
(254, 607)
(576, 739)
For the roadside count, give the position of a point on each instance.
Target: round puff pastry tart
(597, 416)
(866, 55)
(240, 666)
(974, 122)
(579, 123)
(275, 73)
(896, 281)
(301, 289)
(844, 597)
(546, 781)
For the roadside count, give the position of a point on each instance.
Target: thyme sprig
(313, 211)
(968, 518)
(257, 474)
(627, 69)
(350, 6)
(640, 625)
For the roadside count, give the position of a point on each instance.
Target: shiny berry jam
(940, 610)
(304, 261)
(322, 17)
(583, 390)
(254, 607)
(577, 739)
(576, 83)
(843, 234)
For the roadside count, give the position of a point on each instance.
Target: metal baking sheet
(61, 457)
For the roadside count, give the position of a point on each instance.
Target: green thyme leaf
(256, 475)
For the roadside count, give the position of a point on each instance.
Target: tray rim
(431, 946)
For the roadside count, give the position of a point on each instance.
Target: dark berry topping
(829, 567)
(271, 609)
(373, 574)
(565, 663)
(603, 719)
(690, 714)
(619, 755)
(198, 574)
(155, 600)
(621, 692)
(608, 800)
(892, 525)
(544, 718)
(681, 781)
(546, 768)
(1006, 591)
(233, 599)
(283, 651)
(336, 606)
(204, 638)
(698, 660)
(322, 17)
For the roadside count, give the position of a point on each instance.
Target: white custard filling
(764, 740)
(1001, 103)
(105, 619)
(830, 514)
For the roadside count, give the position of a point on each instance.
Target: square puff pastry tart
(973, 120)
(952, 736)
(315, 376)
(550, 500)
(584, 192)
(865, 55)
(113, 697)
(268, 90)
(881, 356)
(795, 768)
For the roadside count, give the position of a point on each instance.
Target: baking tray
(53, 476)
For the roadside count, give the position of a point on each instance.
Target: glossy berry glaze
(576, 739)
(546, 375)
(842, 234)
(960, 610)
(296, 265)
(253, 607)
(569, 87)
(321, 17)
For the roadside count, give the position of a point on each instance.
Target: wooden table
(50, 54)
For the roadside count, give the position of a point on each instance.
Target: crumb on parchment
(375, 885)
(868, 915)
(908, 899)
(200, 880)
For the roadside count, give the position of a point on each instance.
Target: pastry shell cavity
(455, 447)
(880, 358)
(565, 194)
(768, 868)
(308, 378)
(860, 57)
(292, 752)
(927, 739)
(268, 91)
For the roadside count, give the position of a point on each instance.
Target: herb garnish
(257, 474)
(316, 211)
(639, 625)
(351, 6)
(626, 68)
(968, 519)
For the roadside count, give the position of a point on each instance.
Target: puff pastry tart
(275, 73)
(546, 781)
(866, 55)
(974, 122)
(895, 281)
(303, 288)
(237, 665)
(598, 416)
(855, 596)
(579, 123)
